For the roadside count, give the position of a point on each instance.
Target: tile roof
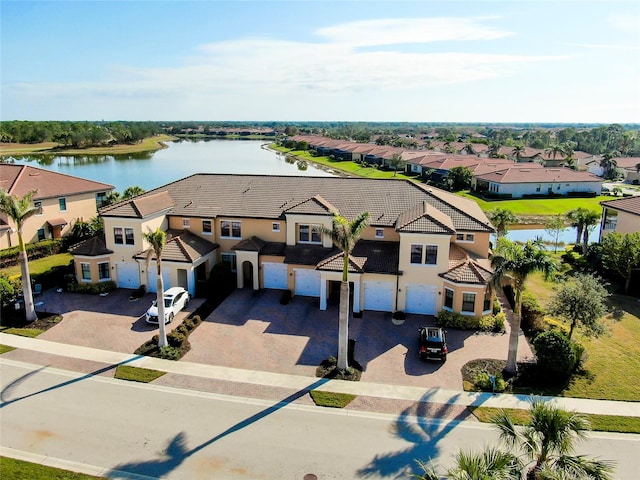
(425, 218)
(184, 247)
(253, 244)
(57, 222)
(523, 174)
(382, 257)
(20, 179)
(93, 247)
(629, 205)
(336, 263)
(265, 196)
(140, 206)
(464, 269)
(315, 205)
(307, 254)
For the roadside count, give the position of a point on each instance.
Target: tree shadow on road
(423, 427)
(177, 451)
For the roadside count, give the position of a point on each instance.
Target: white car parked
(175, 299)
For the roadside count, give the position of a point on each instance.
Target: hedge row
(9, 256)
(486, 323)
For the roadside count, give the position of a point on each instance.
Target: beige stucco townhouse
(62, 200)
(424, 250)
(621, 216)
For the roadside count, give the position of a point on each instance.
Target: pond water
(182, 158)
(523, 233)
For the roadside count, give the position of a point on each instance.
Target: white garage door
(128, 275)
(151, 279)
(421, 299)
(307, 283)
(378, 296)
(275, 275)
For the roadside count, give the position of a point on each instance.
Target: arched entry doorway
(247, 274)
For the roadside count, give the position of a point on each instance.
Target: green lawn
(601, 423)
(5, 349)
(539, 206)
(331, 399)
(137, 374)
(612, 369)
(23, 332)
(13, 469)
(40, 265)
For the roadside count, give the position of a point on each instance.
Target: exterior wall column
(323, 292)
(356, 293)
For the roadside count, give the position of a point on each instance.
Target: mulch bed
(13, 319)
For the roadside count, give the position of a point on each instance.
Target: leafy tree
(345, 235)
(621, 253)
(7, 292)
(157, 240)
(518, 262)
(395, 162)
(581, 301)
(556, 356)
(19, 209)
(501, 218)
(547, 443)
(111, 198)
(554, 227)
(468, 148)
(591, 219)
(132, 191)
(494, 150)
(460, 178)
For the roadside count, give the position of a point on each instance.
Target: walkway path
(377, 397)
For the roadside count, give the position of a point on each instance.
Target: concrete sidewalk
(298, 382)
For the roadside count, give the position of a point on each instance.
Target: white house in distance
(520, 181)
(424, 250)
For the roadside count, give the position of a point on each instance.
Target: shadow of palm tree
(423, 430)
(177, 452)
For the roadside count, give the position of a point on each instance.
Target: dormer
(303, 219)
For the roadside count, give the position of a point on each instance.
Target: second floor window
(128, 236)
(185, 223)
(63, 204)
(309, 234)
(206, 227)
(379, 233)
(118, 236)
(38, 206)
(424, 254)
(230, 229)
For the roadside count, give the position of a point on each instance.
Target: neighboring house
(62, 200)
(621, 216)
(424, 250)
(520, 181)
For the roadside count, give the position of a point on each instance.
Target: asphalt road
(163, 432)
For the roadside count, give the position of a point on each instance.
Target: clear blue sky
(506, 61)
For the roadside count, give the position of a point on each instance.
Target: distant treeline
(77, 134)
(595, 139)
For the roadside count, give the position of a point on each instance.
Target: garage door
(275, 275)
(421, 299)
(378, 296)
(307, 283)
(128, 276)
(151, 279)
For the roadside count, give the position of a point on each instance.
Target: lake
(181, 159)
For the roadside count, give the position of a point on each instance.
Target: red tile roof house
(520, 181)
(425, 249)
(63, 199)
(621, 216)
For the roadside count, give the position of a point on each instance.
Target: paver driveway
(110, 323)
(251, 330)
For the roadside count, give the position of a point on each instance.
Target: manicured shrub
(497, 308)
(176, 339)
(482, 382)
(92, 288)
(532, 318)
(188, 324)
(499, 322)
(556, 354)
(9, 256)
(445, 318)
(170, 353)
(580, 353)
(492, 323)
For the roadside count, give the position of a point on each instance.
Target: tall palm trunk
(162, 329)
(29, 308)
(343, 326)
(579, 229)
(512, 356)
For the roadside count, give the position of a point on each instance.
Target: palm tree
(576, 219)
(468, 148)
(157, 240)
(345, 234)
(19, 209)
(494, 150)
(547, 442)
(517, 151)
(501, 219)
(555, 150)
(591, 218)
(490, 464)
(518, 262)
(609, 163)
(394, 162)
(132, 191)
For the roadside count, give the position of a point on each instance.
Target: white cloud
(606, 46)
(628, 22)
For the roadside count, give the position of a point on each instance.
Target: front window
(468, 302)
(230, 229)
(448, 298)
(41, 234)
(538, 188)
(486, 306)
(118, 236)
(230, 258)
(416, 253)
(63, 204)
(431, 255)
(103, 271)
(128, 234)
(275, 226)
(309, 234)
(206, 227)
(185, 223)
(100, 199)
(86, 272)
(379, 233)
